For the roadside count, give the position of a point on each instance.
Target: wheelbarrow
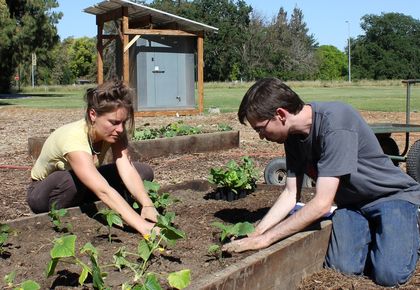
(275, 172)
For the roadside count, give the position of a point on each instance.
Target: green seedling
(235, 177)
(233, 231)
(64, 249)
(112, 218)
(160, 200)
(145, 250)
(224, 127)
(215, 251)
(9, 279)
(5, 231)
(55, 216)
(171, 130)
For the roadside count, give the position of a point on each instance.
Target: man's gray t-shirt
(341, 144)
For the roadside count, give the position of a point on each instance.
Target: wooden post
(100, 48)
(200, 71)
(125, 40)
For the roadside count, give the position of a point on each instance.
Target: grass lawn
(372, 96)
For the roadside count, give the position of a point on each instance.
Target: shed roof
(157, 17)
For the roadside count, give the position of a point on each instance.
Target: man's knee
(390, 276)
(343, 266)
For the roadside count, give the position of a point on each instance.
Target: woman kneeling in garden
(69, 170)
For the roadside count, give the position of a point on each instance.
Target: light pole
(349, 55)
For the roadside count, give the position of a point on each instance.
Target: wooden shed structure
(146, 35)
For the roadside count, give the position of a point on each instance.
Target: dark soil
(18, 124)
(28, 251)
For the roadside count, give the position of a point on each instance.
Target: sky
(331, 22)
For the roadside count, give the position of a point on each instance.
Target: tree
(390, 48)
(82, 57)
(61, 72)
(34, 31)
(332, 63)
(301, 64)
(7, 27)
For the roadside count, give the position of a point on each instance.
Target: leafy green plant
(64, 249)
(235, 177)
(112, 218)
(145, 250)
(56, 215)
(9, 279)
(215, 251)
(224, 127)
(233, 231)
(160, 200)
(5, 231)
(170, 130)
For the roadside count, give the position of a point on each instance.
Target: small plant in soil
(9, 279)
(228, 232)
(145, 250)
(215, 251)
(55, 216)
(64, 250)
(160, 200)
(171, 130)
(5, 231)
(233, 231)
(224, 127)
(234, 180)
(112, 218)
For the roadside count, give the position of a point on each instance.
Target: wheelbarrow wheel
(413, 161)
(276, 172)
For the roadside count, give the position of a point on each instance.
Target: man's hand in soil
(245, 244)
(149, 213)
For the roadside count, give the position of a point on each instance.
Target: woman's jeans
(380, 241)
(66, 190)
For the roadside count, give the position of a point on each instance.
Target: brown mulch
(18, 124)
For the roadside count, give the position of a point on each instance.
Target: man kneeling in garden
(375, 228)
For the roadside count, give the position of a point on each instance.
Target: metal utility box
(163, 72)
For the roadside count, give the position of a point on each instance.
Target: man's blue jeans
(380, 241)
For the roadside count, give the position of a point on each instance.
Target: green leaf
(64, 247)
(151, 186)
(119, 258)
(83, 275)
(10, 278)
(115, 219)
(89, 249)
(29, 285)
(180, 279)
(51, 267)
(213, 249)
(151, 283)
(144, 250)
(242, 229)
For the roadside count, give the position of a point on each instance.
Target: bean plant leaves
(151, 186)
(144, 250)
(114, 219)
(180, 279)
(242, 229)
(29, 285)
(235, 230)
(64, 247)
(151, 283)
(9, 278)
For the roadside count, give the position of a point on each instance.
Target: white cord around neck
(91, 146)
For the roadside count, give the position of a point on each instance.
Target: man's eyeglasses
(261, 129)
